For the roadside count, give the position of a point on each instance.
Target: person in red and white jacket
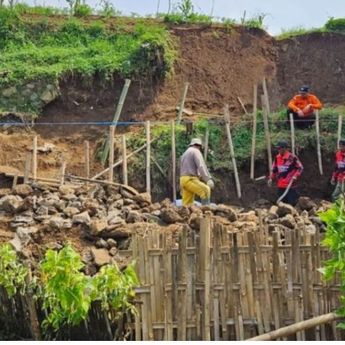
(286, 167)
(338, 176)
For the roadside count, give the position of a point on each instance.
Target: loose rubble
(105, 217)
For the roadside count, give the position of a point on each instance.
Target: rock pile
(106, 216)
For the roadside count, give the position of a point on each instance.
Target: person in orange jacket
(302, 108)
(338, 176)
(286, 167)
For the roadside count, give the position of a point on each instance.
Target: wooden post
(62, 174)
(111, 153)
(124, 161)
(207, 135)
(319, 157)
(116, 117)
(267, 101)
(34, 158)
(184, 95)
(173, 156)
(232, 152)
(87, 159)
(267, 133)
(252, 160)
(148, 157)
(340, 125)
(292, 128)
(27, 168)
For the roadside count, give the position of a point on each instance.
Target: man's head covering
(342, 142)
(304, 89)
(195, 141)
(281, 144)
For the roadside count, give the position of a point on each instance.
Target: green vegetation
(65, 292)
(336, 25)
(335, 241)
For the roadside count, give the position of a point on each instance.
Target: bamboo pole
(252, 158)
(148, 157)
(27, 168)
(119, 162)
(255, 98)
(232, 152)
(267, 101)
(319, 156)
(183, 100)
(207, 136)
(267, 133)
(87, 159)
(242, 105)
(173, 155)
(62, 174)
(116, 116)
(34, 158)
(340, 125)
(111, 153)
(296, 327)
(124, 161)
(292, 128)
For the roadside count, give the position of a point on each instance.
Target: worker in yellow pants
(195, 178)
(191, 186)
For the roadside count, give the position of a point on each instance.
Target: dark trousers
(291, 197)
(300, 122)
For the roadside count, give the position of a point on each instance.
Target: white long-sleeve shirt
(193, 164)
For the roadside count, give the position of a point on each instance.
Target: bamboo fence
(216, 285)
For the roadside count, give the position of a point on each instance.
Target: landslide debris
(100, 220)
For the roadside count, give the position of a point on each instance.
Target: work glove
(333, 181)
(300, 113)
(210, 183)
(269, 182)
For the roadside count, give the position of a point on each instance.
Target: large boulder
(11, 203)
(170, 216)
(23, 190)
(284, 209)
(82, 218)
(305, 203)
(97, 226)
(101, 256)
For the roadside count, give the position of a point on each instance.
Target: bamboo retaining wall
(231, 286)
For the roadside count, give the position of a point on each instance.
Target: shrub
(337, 25)
(82, 10)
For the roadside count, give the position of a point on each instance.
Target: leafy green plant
(82, 10)
(65, 289)
(335, 241)
(12, 272)
(335, 24)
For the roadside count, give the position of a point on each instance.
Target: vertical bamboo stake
(184, 95)
(292, 127)
(148, 157)
(111, 153)
(267, 101)
(27, 168)
(62, 174)
(252, 160)
(267, 133)
(124, 161)
(173, 154)
(34, 158)
(87, 159)
(319, 157)
(340, 125)
(207, 135)
(116, 116)
(232, 152)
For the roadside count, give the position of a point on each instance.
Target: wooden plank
(232, 151)
(289, 263)
(318, 145)
(34, 158)
(207, 136)
(252, 157)
(148, 157)
(183, 100)
(87, 158)
(267, 134)
(292, 129)
(216, 315)
(173, 157)
(27, 168)
(124, 161)
(111, 153)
